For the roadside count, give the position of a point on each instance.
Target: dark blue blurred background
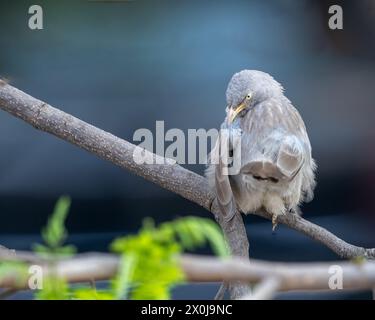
(122, 66)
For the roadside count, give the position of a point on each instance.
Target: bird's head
(248, 88)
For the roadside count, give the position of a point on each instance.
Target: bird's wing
(277, 140)
(286, 166)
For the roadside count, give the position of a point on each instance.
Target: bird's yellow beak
(232, 113)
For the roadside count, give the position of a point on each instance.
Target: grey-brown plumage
(277, 169)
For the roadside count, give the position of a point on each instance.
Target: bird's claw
(274, 222)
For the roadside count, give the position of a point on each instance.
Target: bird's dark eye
(248, 97)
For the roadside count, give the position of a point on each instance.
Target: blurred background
(123, 65)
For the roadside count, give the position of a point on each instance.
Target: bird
(276, 171)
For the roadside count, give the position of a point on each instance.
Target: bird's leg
(274, 205)
(274, 221)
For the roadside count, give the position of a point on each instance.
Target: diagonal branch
(168, 175)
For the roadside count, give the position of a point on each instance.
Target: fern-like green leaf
(54, 288)
(54, 234)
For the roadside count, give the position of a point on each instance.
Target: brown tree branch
(169, 175)
(271, 277)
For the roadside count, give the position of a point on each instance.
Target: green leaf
(195, 231)
(184, 234)
(41, 249)
(54, 234)
(121, 283)
(66, 251)
(54, 288)
(216, 239)
(18, 271)
(89, 293)
(154, 267)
